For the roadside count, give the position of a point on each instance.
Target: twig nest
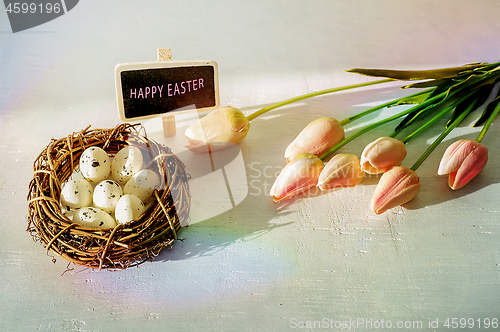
(90, 236)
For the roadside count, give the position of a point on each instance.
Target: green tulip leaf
(471, 83)
(413, 100)
(488, 110)
(471, 102)
(447, 85)
(417, 113)
(446, 90)
(441, 94)
(409, 75)
(425, 84)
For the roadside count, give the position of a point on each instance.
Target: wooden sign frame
(176, 85)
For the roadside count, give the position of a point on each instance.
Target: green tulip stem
(426, 125)
(422, 105)
(488, 123)
(434, 119)
(441, 137)
(361, 132)
(376, 108)
(313, 94)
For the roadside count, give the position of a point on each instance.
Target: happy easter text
(171, 89)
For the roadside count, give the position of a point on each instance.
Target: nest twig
(125, 245)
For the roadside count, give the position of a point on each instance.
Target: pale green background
(261, 266)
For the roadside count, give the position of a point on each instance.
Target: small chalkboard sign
(162, 88)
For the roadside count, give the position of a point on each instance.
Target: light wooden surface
(247, 263)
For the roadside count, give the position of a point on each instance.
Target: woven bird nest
(127, 244)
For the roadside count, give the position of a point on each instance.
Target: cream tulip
(316, 138)
(300, 174)
(396, 187)
(218, 129)
(382, 154)
(343, 170)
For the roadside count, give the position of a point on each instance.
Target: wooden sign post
(165, 88)
(168, 122)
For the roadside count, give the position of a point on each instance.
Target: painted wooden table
(323, 261)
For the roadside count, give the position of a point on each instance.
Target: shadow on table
(252, 218)
(257, 214)
(263, 150)
(434, 188)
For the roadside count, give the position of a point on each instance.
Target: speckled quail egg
(129, 208)
(106, 195)
(95, 164)
(93, 218)
(126, 163)
(76, 194)
(142, 184)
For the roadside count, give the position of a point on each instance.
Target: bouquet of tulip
(455, 91)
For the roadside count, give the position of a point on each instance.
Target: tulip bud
(343, 170)
(397, 186)
(217, 130)
(382, 154)
(463, 160)
(300, 174)
(316, 138)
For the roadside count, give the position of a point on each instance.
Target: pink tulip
(397, 186)
(463, 160)
(300, 174)
(316, 138)
(343, 170)
(218, 129)
(382, 154)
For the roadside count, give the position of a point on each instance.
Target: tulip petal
(296, 177)
(316, 138)
(343, 170)
(213, 131)
(455, 154)
(473, 163)
(382, 154)
(396, 187)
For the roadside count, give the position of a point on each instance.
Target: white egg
(142, 184)
(92, 217)
(76, 194)
(95, 164)
(129, 208)
(126, 163)
(106, 195)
